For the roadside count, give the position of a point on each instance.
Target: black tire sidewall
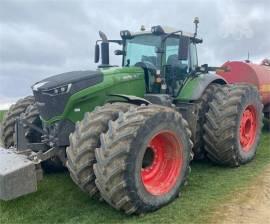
(33, 135)
(137, 191)
(267, 121)
(250, 99)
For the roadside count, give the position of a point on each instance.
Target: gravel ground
(250, 206)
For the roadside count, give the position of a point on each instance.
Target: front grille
(50, 106)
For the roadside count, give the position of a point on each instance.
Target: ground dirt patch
(250, 205)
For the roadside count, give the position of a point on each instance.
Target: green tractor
(128, 134)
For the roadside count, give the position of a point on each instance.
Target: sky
(40, 38)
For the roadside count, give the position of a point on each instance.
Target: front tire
(233, 125)
(9, 120)
(84, 141)
(144, 159)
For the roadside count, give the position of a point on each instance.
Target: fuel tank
(247, 72)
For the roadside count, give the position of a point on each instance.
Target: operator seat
(177, 67)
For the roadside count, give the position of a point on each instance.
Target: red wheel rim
(160, 175)
(248, 128)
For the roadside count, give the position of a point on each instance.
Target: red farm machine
(256, 74)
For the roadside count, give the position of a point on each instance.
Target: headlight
(58, 90)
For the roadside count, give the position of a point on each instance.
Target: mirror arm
(120, 42)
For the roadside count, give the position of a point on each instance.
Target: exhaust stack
(105, 61)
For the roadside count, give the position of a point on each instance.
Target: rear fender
(195, 86)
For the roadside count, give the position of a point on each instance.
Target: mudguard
(195, 86)
(131, 99)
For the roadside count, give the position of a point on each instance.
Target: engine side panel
(128, 80)
(51, 101)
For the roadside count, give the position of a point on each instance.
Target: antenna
(247, 60)
(196, 22)
(142, 28)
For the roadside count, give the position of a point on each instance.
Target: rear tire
(233, 125)
(128, 176)
(84, 141)
(203, 107)
(267, 121)
(9, 120)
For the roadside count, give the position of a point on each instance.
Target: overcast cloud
(46, 37)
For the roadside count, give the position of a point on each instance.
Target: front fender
(130, 99)
(195, 86)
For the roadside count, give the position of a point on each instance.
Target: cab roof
(167, 30)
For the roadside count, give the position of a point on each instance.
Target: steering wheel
(149, 69)
(146, 65)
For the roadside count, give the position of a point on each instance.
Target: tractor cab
(167, 56)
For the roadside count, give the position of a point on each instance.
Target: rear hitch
(22, 142)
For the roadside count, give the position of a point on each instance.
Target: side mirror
(183, 48)
(204, 68)
(105, 53)
(97, 51)
(119, 52)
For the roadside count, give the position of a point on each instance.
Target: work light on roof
(157, 30)
(125, 34)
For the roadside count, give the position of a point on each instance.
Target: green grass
(58, 200)
(2, 112)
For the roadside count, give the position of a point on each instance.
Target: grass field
(1, 115)
(58, 200)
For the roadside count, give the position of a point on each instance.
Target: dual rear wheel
(233, 125)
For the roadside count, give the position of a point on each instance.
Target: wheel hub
(162, 163)
(248, 127)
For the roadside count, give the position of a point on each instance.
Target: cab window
(175, 70)
(172, 45)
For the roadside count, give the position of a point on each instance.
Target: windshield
(142, 49)
(172, 47)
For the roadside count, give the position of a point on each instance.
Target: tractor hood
(52, 94)
(79, 78)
